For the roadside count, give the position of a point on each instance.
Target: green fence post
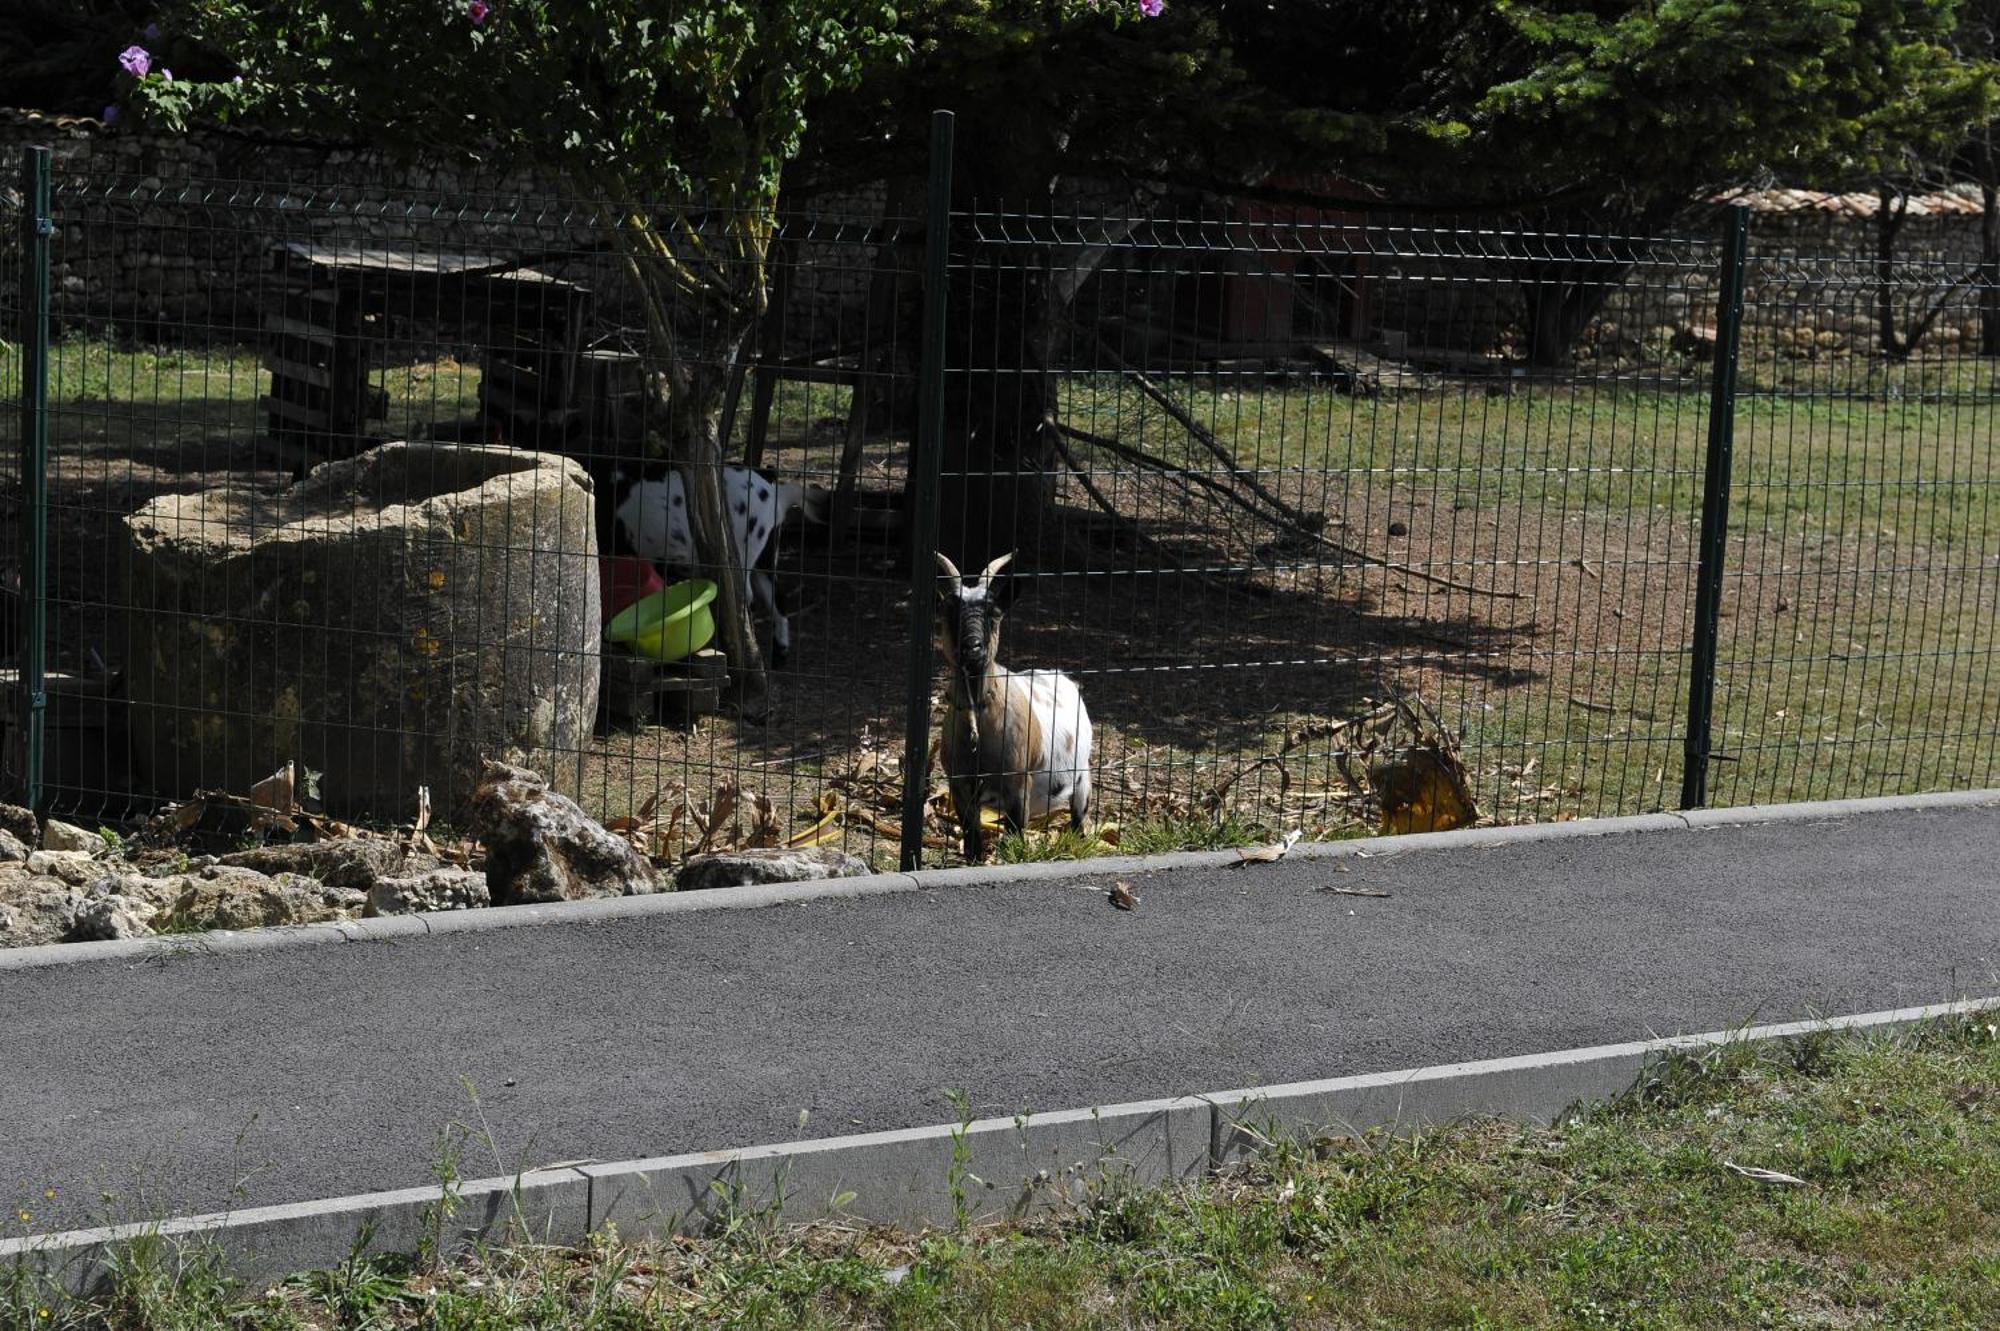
(37, 226)
(1715, 511)
(923, 515)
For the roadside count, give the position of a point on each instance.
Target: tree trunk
(1989, 270)
(1889, 214)
(1559, 305)
(997, 473)
(694, 422)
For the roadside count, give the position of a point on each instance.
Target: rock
(66, 836)
(463, 579)
(11, 849)
(20, 823)
(357, 863)
(33, 909)
(744, 868)
(74, 867)
(541, 847)
(111, 915)
(236, 898)
(440, 889)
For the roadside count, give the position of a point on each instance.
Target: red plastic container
(623, 579)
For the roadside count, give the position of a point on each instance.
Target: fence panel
(386, 622)
(1297, 497)
(1300, 464)
(15, 187)
(1859, 624)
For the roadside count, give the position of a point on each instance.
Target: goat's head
(969, 609)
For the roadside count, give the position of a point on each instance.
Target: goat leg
(965, 803)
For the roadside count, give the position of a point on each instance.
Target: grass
(1624, 1216)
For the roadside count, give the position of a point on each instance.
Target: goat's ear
(1006, 588)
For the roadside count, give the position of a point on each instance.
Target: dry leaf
(1268, 854)
(1123, 897)
(1756, 1175)
(276, 791)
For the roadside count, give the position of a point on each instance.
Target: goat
(652, 516)
(1020, 738)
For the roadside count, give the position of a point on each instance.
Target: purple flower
(152, 32)
(166, 74)
(1152, 8)
(136, 61)
(477, 10)
(238, 80)
(110, 116)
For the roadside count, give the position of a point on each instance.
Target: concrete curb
(223, 942)
(979, 1171)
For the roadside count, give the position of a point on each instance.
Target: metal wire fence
(1292, 494)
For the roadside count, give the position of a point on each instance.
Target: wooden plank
(809, 374)
(299, 328)
(293, 412)
(314, 307)
(315, 375)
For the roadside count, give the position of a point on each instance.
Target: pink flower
(166, 74)
(136, 60)
(477, 10)
(1152, 8)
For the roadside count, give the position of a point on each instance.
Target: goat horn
(950, 569)
(996, 566)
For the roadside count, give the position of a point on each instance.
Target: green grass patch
(1148, 837)
(1628, 1215)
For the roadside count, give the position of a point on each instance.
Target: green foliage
(1655, 102)
(703, 99)
(1614, 106)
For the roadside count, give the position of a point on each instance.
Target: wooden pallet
(680, 693)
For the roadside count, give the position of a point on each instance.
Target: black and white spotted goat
(652, 518)
(1016, 739)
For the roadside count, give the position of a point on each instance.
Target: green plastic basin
(668, 625)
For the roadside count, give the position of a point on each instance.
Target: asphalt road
(194, 1084)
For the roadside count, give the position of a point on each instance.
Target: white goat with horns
(1019, 740)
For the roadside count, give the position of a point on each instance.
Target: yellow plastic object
(669, 625)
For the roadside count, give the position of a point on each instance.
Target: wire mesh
(13, 705)
(1299, 465)
(1263, 471)
(1858, 633)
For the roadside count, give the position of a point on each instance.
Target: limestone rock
(440, 889)
(237, 898)
(57, 835)
(745, 868)
(463, 583)
(20, 823)
(35, 909)
(358, 863)
(74, 867)
(111, 915)
(541, 847)
(11, 849)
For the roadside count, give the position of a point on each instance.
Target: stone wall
(166, 237)
(1810, 286)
